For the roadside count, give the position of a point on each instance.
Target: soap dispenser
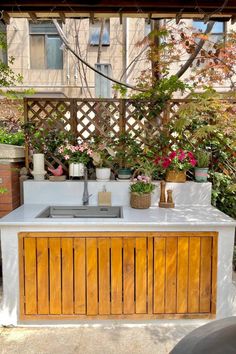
(104, 197)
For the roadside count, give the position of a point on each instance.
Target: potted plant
(176, 163)
(127, 151)
(201, 168)
(141, 189)
(102, 155)
(78, 156)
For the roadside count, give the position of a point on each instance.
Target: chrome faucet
(86, 195)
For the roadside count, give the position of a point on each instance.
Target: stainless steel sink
(81, 212)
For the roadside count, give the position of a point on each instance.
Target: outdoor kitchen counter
(135, 219)
(151, 264)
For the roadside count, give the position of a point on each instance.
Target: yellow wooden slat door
(92, 276)
(128, 275)
(42, 276)
(116, 276)
(104, 276)
(182, 274)
(205, 274)
(141, 275)
(194, 275)
(30, 276)
(55, 275)
(159, 274)
(67, 276)
(79, 276)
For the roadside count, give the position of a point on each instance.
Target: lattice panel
(97, 118)
(86, 118)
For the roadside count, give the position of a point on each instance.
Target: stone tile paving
(93, 339)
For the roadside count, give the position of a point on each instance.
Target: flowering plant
(179, 160)
(80, 153)
(103, 156)
(142, 185)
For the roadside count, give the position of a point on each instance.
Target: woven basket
(175, 176)
(140, 201)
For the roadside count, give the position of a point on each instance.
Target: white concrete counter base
(193, 213)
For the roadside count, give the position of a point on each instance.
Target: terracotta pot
(175, 176)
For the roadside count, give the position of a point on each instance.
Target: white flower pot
(76, 169)
(103, 174)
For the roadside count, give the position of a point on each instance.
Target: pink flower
(90, 152)
(190, 155)
(181, 155)
(172, 155)
(66, 157)
(166, 162)
(193, 162)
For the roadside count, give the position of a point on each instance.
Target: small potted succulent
(78, 156)
(176, 163)
(201, 168)
(141, 189)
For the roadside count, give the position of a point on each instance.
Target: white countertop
(180, 216)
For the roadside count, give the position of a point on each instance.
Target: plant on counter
(142, 185)
(176, 163)
(203, 159)
(127, 151)
(80, 153)
(141, 189)
(201, 168)
(102, 154)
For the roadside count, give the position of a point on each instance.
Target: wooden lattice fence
(87, 118)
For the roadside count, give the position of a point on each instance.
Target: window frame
(45, 36)
(93, 28)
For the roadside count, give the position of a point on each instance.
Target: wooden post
(73, 119)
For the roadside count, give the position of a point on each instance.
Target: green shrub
(11, 138)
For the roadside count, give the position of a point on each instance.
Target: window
(3, 49)
(45, 46)
(103, 85)
(94, 32)
(217, 32)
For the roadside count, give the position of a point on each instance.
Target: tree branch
(192, 57)
(66, 43)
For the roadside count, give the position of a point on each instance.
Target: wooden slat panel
(128, 269)
(205, 277)
(104, 276)
(171, 275)
(55, 275)
(141, 275)
(214, 273)
(150, 275)
(42, 272)
(182, 275)
(79, 275)
(159, 274)
(92, 281)
(116, 276)
(30, 276)
(194, 274)
(67, 276)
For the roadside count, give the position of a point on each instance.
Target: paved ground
(106, 339)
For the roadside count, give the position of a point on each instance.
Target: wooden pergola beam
(33, 16)
(6, 18)
(121, 6)
(62, 17)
